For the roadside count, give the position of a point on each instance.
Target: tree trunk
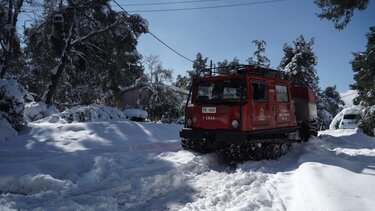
(57, 71)
(55, 80)
(9, 36)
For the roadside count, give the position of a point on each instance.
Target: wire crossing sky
(205, 7)
(157, 38)
(228, 32)
(224, 29)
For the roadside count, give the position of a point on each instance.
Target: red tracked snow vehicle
(252, 114)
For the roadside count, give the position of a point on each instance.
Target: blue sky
(226, 33)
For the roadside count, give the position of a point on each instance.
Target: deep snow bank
(123, 165)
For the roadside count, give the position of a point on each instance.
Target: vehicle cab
(251, 102)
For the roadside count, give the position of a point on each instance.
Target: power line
(207, 7)
(167, 3)
(166, 45)
(29, 10)
(179, 9)
(347, 95)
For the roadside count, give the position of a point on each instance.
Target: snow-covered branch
(86, 37)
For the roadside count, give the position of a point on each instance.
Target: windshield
(228, 90)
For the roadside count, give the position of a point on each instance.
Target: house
(133, 96)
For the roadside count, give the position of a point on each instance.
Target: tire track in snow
(154, 147)
(221, 188)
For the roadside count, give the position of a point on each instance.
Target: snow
(125, 165)
(138, 113)
(12, 103)
(6, 130)
(35, 111)
(12, 89)
(92, 113)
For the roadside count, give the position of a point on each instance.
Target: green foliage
(161, 102)
(199, 63)
(222, 67)
(340, 11)
(260, 60)
(299, 63)
(368, 121)
(12, 103)
(182, 82)
(334, 103)
(363, 66)
(329, 104)
(94, 45)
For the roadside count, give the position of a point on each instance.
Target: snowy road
(140, 166)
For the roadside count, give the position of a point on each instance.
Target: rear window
(350, 116)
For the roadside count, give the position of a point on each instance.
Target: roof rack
(241, 69)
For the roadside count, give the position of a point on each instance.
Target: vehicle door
(261, 109)
(283, 103)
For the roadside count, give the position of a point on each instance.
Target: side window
(282, 94)
(259, 91)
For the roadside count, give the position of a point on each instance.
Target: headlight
(188, 122)
(234, 124)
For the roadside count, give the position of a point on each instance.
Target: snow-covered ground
(124, 165)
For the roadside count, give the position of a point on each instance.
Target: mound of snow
(6, 130)
(92, 113)
(135, 113)
(12, 102)
(33, 184)
(54, 118)
(38, 110)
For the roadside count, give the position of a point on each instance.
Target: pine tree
(199, 64)
(335, 104)
(224, 66)
(260, 60)
(363, 66)
(329, 104)
(299, 63)
(338, 11)
(182, 82)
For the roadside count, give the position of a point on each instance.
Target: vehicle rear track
(259, 149)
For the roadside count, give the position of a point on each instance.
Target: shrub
(92, 113)
(368, 121)
(12, 102)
